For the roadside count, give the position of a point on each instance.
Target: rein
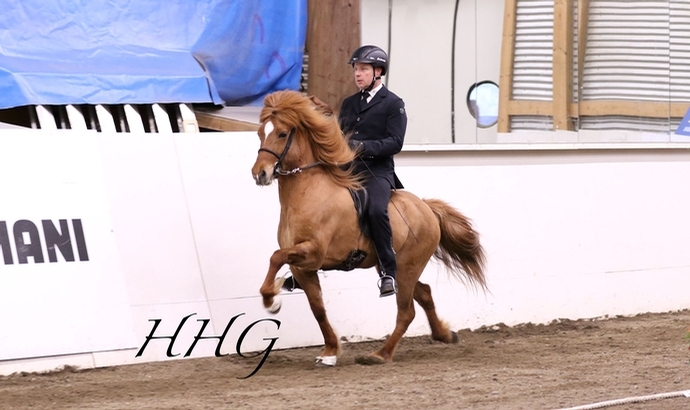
(277, 170)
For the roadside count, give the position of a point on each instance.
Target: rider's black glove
(356, 146)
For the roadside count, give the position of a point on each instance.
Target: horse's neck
(306, 188)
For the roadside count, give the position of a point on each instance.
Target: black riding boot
(381, 234)
(387, 286)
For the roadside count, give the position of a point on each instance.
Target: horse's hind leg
(405, 316)
(439, 329)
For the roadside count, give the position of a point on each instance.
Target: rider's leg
(379, 191)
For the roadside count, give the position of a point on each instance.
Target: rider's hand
(356, 146)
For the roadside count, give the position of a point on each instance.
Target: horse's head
(280, 147)
(298, 133)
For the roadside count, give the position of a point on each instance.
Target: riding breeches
(379, 191)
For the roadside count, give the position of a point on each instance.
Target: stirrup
(387, 286)
(290, 284)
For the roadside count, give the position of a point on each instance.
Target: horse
(304, 149)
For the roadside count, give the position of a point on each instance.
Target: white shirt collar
(373, 92)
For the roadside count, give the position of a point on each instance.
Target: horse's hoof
(326, 361)
(369, 359)
(454, 338)
(275, 307)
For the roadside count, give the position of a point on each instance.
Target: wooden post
(333, 34)
(582, 30)
(562, 64)
(505, 86)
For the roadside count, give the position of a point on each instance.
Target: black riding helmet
(371, 55)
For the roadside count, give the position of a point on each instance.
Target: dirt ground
(564, 364)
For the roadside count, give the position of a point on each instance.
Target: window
(482, 101)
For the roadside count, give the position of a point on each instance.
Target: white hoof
(326, 361)
(277, 304)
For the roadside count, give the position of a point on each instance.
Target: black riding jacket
(380, 126)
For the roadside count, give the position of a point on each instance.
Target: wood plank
(582, 31)
(528, 107)
(222, 121)
(333, 34)
(562, 64)
(651, 109)
(505, 84)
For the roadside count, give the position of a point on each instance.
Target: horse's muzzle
(263, 178)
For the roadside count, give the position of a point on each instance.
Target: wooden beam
(650, 109)
(528, 107)
(600, 108)
(582, 31)
(333, 34)
(218, 122)
(562, 63)
(678, 110)
(505, 85)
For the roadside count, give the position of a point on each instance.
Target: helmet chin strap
(371, 86)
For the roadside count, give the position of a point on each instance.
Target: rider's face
(364, 73)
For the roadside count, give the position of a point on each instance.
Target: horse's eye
(282, 135)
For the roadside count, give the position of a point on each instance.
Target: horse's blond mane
(321, 132)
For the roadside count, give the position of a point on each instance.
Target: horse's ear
(321, 106)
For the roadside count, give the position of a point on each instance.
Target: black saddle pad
(361, 200)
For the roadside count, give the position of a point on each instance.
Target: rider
(376, 121)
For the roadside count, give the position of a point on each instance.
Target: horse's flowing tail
(459, 248)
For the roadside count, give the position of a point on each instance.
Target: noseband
(277, 170)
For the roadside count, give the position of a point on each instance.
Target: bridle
(277, 170)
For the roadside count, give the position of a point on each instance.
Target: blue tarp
(147, 51)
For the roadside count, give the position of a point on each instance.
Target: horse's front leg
(305, 258)
(270, 289)
(309, 280)
(306, 255)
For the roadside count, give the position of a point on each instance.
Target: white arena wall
(174, 226)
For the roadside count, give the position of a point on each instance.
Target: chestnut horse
(303, 148)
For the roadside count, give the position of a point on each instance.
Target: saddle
(357, 256)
